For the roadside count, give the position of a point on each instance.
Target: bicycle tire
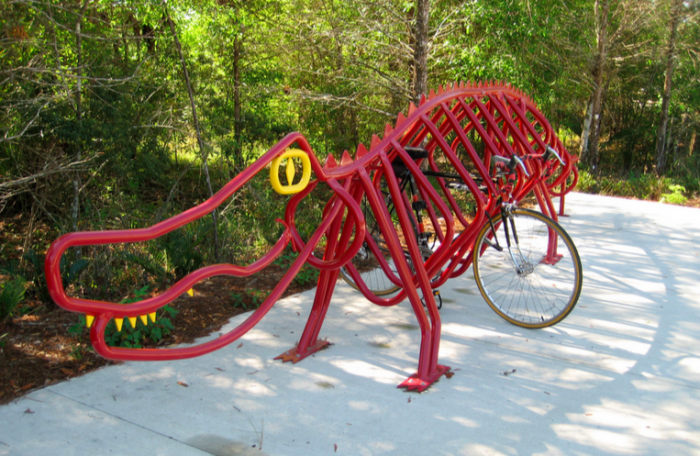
(538, 298)
(366, 263)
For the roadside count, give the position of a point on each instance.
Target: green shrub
(11, 294)
(133, 336)
(586, 182)
(676, 196)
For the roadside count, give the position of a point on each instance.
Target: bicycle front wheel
(535, 282)
(367, 263)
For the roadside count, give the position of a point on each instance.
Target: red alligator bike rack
(506, 121)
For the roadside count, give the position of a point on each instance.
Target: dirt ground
(37, 349)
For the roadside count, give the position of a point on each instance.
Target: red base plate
(293, 355)
(552, 260)
(421, 384)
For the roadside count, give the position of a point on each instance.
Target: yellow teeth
(144, 319)
(152, 316)
(119, 322)
(89, 319)
(132, 321)
(190, 292)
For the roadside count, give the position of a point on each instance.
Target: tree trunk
(75, 209)
(676, 11)
(602, 8)
(237, 126)
(691, 146)
(202, 151)
(420, 50)
(585, 134)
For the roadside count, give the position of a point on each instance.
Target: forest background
(118, 114)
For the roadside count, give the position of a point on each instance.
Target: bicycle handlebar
(511, 163)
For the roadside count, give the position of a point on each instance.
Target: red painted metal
(506, 121)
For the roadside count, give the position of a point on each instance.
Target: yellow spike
(144, 319)
(119, 322)
(290, 171)
(89, 319)
(152, 316)
(190, 292)
(132, 321)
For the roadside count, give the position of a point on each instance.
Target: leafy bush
(255, 297)
(133, 336)
(587, 182)
(172, 256)
(676, 196)
(11, 294)
(640, 186)
(306, 275)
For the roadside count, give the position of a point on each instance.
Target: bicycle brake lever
(556, 154)
(520, 163)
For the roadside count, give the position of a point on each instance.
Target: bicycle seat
(416, 153)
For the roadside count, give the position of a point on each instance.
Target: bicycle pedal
(438, 299)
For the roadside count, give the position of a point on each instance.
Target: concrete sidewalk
(618, 376)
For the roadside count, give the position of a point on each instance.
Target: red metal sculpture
(501, 118)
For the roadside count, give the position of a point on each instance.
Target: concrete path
(618, 376)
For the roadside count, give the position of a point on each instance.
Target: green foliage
(586, 182)
(130, 336)
(238, 301)
(33, 272)
(257, 297)
(250, 299)
(307, 275)
(174, 255)
(11, 294)
(337, 72)
(676, 196)
(643, 186)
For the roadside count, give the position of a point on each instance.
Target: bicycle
(528, 269)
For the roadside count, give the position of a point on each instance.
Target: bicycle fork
(522, 266)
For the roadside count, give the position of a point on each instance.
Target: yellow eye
(290, 172)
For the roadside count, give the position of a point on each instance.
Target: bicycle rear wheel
(533, 284)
